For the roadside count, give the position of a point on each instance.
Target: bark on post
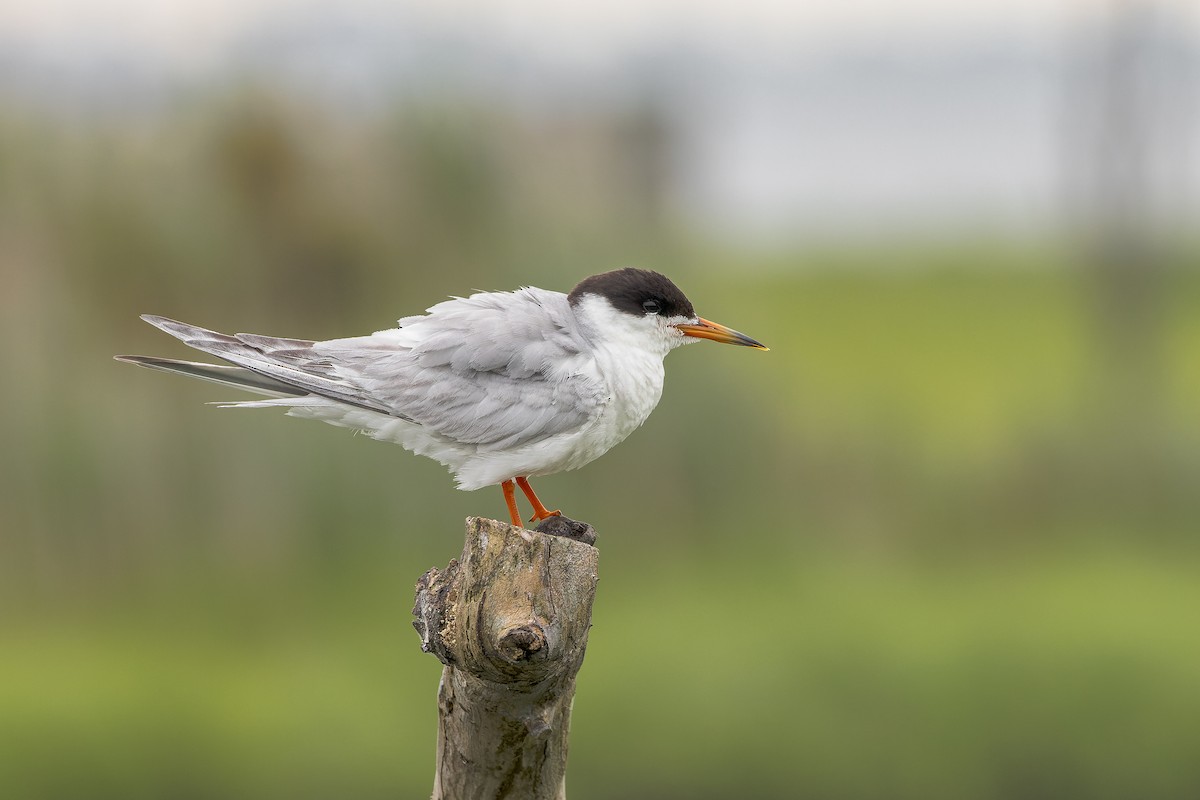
(510, 621)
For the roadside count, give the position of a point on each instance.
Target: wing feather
(495, 370)
(303, 376)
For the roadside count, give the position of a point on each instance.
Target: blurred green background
(940, 542)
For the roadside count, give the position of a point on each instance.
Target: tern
(499, 386)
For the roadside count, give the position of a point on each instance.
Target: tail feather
(265, 364)
(236, 377)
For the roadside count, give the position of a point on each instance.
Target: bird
(499, 387)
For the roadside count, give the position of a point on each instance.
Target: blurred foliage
(910, 552)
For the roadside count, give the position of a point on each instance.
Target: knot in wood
(524, 642)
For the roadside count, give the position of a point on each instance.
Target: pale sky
(863, 146)
(190, 30)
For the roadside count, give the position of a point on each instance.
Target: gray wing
(496, 369)
(291, 362)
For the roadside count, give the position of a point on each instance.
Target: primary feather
(236, 377)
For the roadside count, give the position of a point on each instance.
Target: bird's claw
(538, 517)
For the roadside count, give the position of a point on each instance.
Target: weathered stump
(510, 621)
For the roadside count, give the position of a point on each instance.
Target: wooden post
(510, 621)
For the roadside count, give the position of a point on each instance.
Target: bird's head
(645, 309)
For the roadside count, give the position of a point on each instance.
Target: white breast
(635, 381)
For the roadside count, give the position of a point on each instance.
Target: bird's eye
(652, 306)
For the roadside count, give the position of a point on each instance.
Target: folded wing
(494, 370)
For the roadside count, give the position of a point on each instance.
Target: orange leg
(510, 500)
(539, 510)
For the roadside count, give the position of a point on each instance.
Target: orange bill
(704, 329)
